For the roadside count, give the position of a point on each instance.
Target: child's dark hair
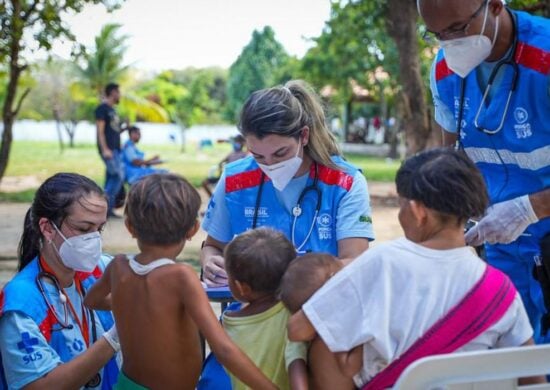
(444, 180)
(304, 276)
(133, 129)
(52, 201)
(259, 258)
(162, 208)
(109, 88)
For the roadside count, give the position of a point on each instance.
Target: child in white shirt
(391, 295)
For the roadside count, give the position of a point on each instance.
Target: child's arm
(300, 328)
(228, 354)
(351, 362)
(297, 374)
(98, 297)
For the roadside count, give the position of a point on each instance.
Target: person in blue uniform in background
(491, 87)
(135, 164)
(295, 181)
(48, 338)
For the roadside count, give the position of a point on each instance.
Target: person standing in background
(108, 142)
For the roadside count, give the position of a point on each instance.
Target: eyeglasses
(431, 37)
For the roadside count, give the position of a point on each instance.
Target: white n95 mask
(80, 253)
(282, 173)
(464, 54)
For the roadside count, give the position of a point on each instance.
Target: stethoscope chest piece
(296, 211)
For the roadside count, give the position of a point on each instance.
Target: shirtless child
(160, 306)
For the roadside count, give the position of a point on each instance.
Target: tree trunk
(71, 131)
(9, 113)
(401, 25)
(347, 118)
(58, 129)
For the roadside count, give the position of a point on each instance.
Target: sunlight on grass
(43, 159)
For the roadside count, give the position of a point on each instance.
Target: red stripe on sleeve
(533, 58)
(333, 176)
(243, 180)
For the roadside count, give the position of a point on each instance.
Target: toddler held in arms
(409, 298)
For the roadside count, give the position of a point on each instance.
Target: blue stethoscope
(507, 61)
(296, 210)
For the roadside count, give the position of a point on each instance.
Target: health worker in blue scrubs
(491, 87)
(295, 180)
(48, 338)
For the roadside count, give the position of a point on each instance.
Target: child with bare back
(160, 306)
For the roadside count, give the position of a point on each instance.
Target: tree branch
(29, 11)
(20, 102)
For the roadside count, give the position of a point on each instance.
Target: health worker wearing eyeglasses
(48, 338)
(491, 87)
(295, 181)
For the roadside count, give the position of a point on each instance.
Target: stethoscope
(508, 61)
(296, 210)
(64, 324)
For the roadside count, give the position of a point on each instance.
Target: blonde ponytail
(322, 143)
(285, 110)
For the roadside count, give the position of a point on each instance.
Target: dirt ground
(117, 240)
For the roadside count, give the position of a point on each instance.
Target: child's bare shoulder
(117, 262)
(184, 272)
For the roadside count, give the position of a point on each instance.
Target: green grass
(375, 168)
(43, 159)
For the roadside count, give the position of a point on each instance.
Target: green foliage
(191, 96)
(204, 100)
(355, 45)
(352, 45)
(256, 67)
(537, 7)
(41, 19)
(104, 62)
(163, 91)
(58, 93)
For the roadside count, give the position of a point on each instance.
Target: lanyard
(82, 325)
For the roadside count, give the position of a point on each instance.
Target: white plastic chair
(490, 369)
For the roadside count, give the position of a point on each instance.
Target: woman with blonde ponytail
(295, 181)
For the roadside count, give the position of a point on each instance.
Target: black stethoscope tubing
(508, 61)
